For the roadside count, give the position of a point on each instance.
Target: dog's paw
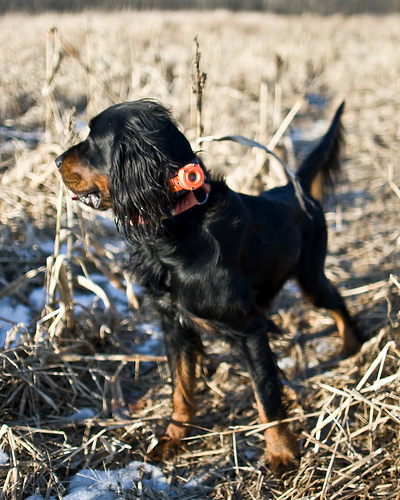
(282, 447)
(283, 457)
(165, 448)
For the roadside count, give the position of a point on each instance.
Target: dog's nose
(59, 161)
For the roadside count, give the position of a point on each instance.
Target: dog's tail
(320, 167)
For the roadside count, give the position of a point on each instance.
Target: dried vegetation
(346, 411)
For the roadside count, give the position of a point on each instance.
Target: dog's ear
(177, 146)
(148, 150)
(138, 186)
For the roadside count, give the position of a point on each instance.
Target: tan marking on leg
(282, 446)
(351, 344)
(169, 444)
(182, 399)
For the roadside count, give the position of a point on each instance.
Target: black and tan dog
(210, 258)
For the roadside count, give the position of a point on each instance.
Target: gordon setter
(210, 259)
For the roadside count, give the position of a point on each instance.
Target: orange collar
(186, 202)
(189, 201)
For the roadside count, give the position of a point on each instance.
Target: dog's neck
(190, 200)
(186, 202)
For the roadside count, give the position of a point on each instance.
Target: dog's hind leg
(321, 293)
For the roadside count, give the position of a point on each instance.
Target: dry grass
(346, 411)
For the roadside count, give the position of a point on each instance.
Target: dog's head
(126, 163)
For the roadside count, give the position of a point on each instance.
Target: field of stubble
(345, 411)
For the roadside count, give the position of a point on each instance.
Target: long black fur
(217, 265)
(146, 139)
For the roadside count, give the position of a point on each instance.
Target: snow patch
(83, 414)
(110, 485)
(3, 457)
(91, 484)
(12, 315)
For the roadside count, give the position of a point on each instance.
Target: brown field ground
(345, 411)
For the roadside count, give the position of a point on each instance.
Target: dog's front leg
(282, 446)
(183, 348)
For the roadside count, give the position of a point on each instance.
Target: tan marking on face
(81, 180)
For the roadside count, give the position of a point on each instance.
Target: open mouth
(91, 199)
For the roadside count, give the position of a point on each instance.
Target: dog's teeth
(95, 198)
